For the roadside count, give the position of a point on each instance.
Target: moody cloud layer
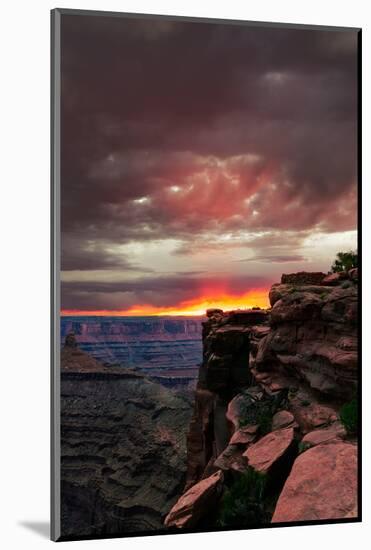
(195, 154)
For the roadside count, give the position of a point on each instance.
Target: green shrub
(261, 413)
(349, 416)
(345, 261)
(243, 503)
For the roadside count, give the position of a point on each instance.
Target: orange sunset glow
(198, 306)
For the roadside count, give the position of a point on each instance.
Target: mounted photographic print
(205, 189)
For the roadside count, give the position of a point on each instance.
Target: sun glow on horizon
(253, 298)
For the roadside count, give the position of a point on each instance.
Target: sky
(201, 161)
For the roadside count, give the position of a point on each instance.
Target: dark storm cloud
(86, 255)
(190, 130)
(157, 291)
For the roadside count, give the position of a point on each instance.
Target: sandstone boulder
(196, 502)
(264, 454)
(322, 485)
(231, 459)
(324, 435)
(334, 279)
(245, 435)
(283, 419)
(313, 415)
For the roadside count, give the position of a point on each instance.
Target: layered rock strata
(122, 448)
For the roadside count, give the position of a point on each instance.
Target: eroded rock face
(200, 438)
(196, 502)
(313, 336)
(322, 485)
(223, 374)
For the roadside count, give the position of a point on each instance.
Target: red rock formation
(324, 435)
(224, 372)
(264, 454)
(314, 336)
(200, 438)
(322, 485)
(195, 503)
(271, 384)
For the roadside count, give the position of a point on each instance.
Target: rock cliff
(273, 431)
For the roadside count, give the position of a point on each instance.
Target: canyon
(123, 447)
(166, 349)
(273, 413)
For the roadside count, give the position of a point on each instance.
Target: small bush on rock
(260, 414)
(260, 410)
(345, 261)
(349, 416)
(243, 503)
